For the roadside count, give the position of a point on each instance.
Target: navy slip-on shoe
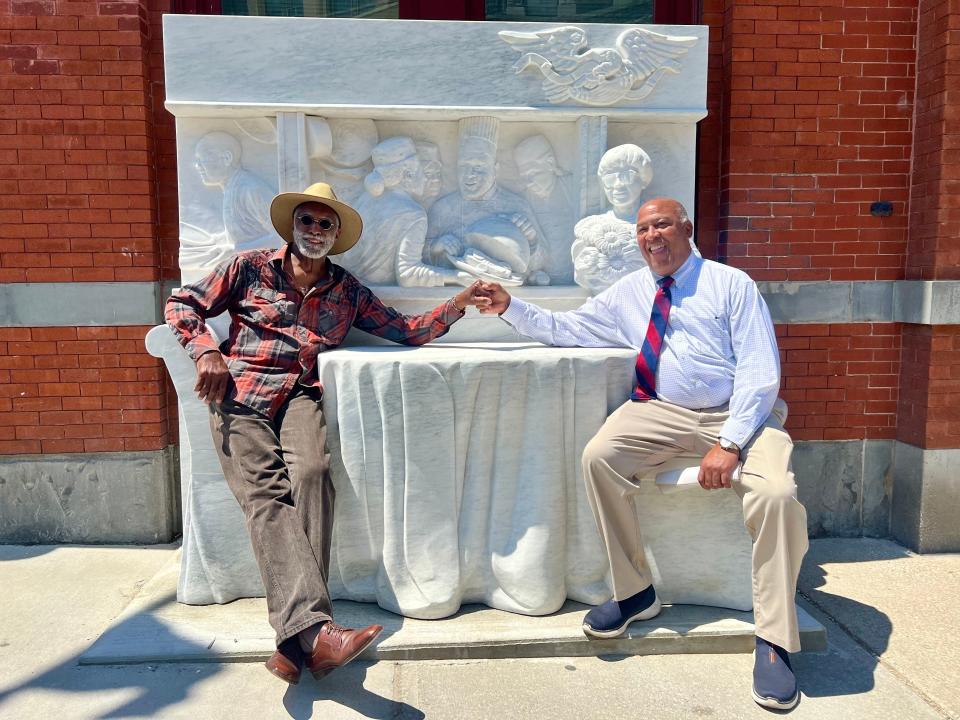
(774, 684)
(611, 619)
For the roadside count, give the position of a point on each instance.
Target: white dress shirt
(720, 346)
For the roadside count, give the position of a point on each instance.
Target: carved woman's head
(625, 172)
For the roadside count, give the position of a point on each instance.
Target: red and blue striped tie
(649, 356)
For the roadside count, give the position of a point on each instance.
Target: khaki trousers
(279, 471)
(637, 438)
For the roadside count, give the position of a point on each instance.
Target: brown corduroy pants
(279, 471)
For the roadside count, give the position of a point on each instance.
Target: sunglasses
(309, 221)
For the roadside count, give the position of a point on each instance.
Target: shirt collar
(334, 272)
(280, 254)
(683, 273)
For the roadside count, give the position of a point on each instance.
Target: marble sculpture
(605, 246)
(461, 168)
(573, 71)
(390, 250)
(246, 207)
(482, 227)
(550, 192)
(348, 161)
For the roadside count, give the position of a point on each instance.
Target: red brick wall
(88, 389)
(165, 150)
(76, 166)
(78, 203)
(817, 101)
(929, 408)
(930, 377)
(840, 381)
(935, 209)
(710, 135)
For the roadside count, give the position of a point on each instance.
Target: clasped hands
(489, 297)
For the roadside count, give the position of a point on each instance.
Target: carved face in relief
(622, 185)
(217, 157)
(429, 155)
(476, 169)
(309, 238)
(352, 141)
(664, 232)
(414, 179)
(537, 165)
(625, 171)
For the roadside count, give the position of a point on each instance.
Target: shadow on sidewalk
(345, 688)
(153, 693)
(842, 670)
(153, 686)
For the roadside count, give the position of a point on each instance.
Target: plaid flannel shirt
(276, 332)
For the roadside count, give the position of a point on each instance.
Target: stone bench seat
(457, 471)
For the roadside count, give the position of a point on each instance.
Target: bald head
(663, 233)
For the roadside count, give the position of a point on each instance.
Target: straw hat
(283, 205)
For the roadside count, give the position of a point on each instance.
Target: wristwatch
(729, 446)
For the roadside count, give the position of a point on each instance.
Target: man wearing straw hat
(287, 306)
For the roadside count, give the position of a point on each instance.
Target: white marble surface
(458, 480)
(457, 467)
(307, 62)
(293, 118)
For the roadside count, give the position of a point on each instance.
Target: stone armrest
(679, 473)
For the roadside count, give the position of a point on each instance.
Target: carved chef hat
(480, 132)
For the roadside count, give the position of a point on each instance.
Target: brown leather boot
(336, 645)
(286, 661)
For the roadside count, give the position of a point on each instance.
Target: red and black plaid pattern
(276, 332)
(649, 356)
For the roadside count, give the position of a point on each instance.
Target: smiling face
(623, 184)
(309, 238)
(476, 169)
(664, 233)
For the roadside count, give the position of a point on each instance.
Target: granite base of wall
(926, 498)
(871, 488)
(845, 486)
(127, 497)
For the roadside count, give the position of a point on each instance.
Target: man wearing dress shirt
(707, 348)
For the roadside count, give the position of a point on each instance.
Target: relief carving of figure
(483, 228)
(429, 155)
(605, 246)
(246, 197)
(395, 224)
(348, 162)
(549, 191)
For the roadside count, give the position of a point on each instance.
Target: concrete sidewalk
(892, 620)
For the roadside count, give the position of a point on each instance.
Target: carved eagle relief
(573, 71)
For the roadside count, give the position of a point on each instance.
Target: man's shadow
(345, 687)
(158, 690)
(849, 664)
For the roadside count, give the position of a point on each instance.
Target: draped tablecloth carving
(457, 472)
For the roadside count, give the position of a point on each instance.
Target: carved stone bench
(458, 480)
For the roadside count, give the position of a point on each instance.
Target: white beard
(308, 249)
